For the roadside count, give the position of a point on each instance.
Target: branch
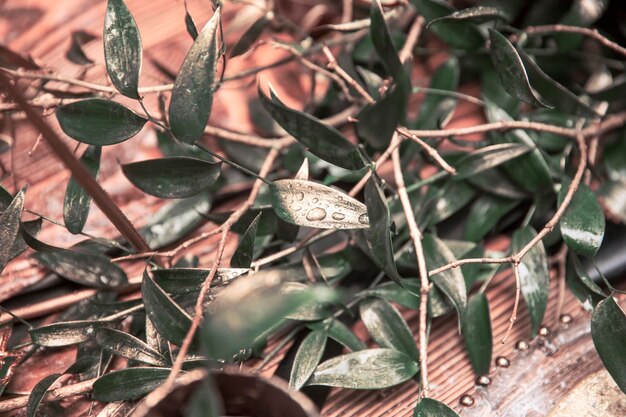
(55, 394)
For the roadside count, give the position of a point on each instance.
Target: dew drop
(565, 319)
(502, 362)
(338, 216)
(296, 208)
(104, 279)
(300, 196)
(363, 219)
(315, 200)
(544, 331)
(466, 400)
(483, 380)
(316, 214)
(521, 345)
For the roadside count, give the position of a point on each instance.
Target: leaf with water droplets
(10, 228)
(128, 384)
(242, 258)
(477, 333)
(534, 277)
(128, 346)
(65, 333)
(77, 201)
(192, 95)
(582, 224)
(427, 407)
(175, 177)
(85, 269)
(307, 358)
(97, 121)
(309, 204)
(365, 369)
(122, 48)
(608, 331)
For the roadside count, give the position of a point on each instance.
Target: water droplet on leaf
(316, 214)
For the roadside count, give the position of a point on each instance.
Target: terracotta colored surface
(42, 29)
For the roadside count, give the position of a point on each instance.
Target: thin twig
(67, 391)
(518, 290)
(412, 37)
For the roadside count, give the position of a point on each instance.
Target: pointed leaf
(175, 177)
(381, 38)
(393, 292)
(460, 34)
(249, 37)
(365, 369)
(488, 157)
(307, 358)
(608, 331)
(38, 392)
(387, 327)
(485, 213)
(192, 95)
(65, 333)
(306, 203)
(339, 332)
(85, 269)
(128, 384)
(582, 224)
(122, 48)
(77, 201)
(188, 280)
(97, 121)
(242, 258)
(477, 333)
(427, 407)
(323, 141)
(477, 14)
(190, 26)
(581, 285)
(170, 320)
(534, 278)
(128, 346)
(510, 69)
(10, 228)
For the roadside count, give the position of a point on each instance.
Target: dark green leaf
(496, 182)
(170, 320)
(85, 269)
(551, 142)
(365, 369)
(97, 121)
(378, 236)
(427, 407)
(339, 332)
(10, 228)
(613, 194)
(312, 311)
(191, 26)
(387, 327)
(382, 40)
(323, 141)
(488, 157)
(66, 333)
(581, 285)
(242, 258)
(188, 280)
(459, 34)
(128, 346)
(192, 95)
(31, 228)
(307, 358)
(393, 292)
(249, 37)
(122, 48)
(75, 53)
(485, 213)
(477, 14)
(310, 204)
(175, 177)
(450, 282)
(608, 331)
(510, 69)
(477, 333)
(77, 201)
(437, 108)
(448, 200)
(534, 278)
(38, 392)
(128, 384)
(582, 224)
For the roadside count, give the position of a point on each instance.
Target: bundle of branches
(353, 205)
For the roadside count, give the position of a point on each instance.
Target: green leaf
(393, 292)
(387, 327)
(448, 200)
(307, 358)
(323, 141)
(242, 258)
(534, 278)
(65, 333)
(85, 269)
(608, 331)
(312, 311)
(510, 69)
(488, 157)
(175, 177)
(249, 37)
(581, 285)
(100, 122)
(189, 280)
(122, 48)
(485, 214)
(365, 369)
(582, 224)
(128, 346)
(381, 38)
(477, 14)
(306, 203)
(477, 333)
(38, 392)
(190, 26)
(427, 407)
(450, 282)
(192, 95)
(437, 108)
(77, 201)
(10, 228)
(378, 236)
(249, 308)
(170, 320)
(128, 384)
(32, 228)
(459, 34)
(339, 332)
